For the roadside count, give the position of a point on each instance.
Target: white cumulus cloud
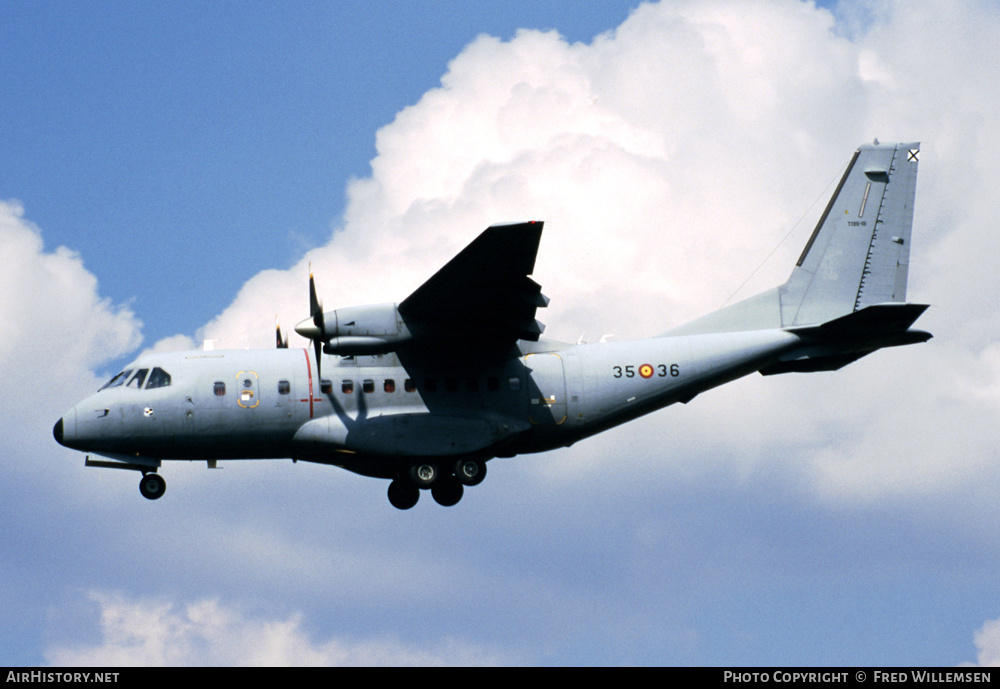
(51, 308)
(987, 642)
(145, 632)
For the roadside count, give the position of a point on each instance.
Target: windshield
(137, 380)
(117, 380)
(158, 378)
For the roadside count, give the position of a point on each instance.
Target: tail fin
(857, 256)
(859, 253)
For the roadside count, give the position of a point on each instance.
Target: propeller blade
(315, 305)
(282, 343)
(316, 311)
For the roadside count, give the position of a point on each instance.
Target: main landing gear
(447, 487)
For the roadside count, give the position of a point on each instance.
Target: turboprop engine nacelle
(358, 330)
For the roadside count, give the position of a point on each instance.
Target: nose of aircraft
(65, 429)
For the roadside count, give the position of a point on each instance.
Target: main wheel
(152, 486)
(424, 474)
(447, 492)
(403, 495)
(471, 472)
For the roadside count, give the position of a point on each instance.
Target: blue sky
(228, 128)
(169, 170)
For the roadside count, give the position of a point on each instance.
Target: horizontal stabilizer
(837, 343)
(878, 319)
(814, 364)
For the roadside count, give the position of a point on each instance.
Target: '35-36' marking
(646, 371)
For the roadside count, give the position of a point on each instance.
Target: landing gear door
(546, 389)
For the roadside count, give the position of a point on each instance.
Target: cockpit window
(118, 380)
(158, 379)
(137, 380)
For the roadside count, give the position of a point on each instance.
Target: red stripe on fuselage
(310, 374)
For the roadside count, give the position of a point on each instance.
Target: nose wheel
(152, 486)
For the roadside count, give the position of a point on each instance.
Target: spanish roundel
(646, 371)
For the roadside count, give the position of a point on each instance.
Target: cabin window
(118, 380)
(158, 379)
(326, 387)
(284, 387)
(347, 387)
(138, 379)
(368, 386)
(493, 384)
(409, 385)
(389, 385)
(219, 388)
(515, 383)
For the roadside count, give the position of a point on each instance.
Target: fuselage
(369, 413)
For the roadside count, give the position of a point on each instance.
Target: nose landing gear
(152, 486)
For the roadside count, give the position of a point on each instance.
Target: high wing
(484, 294)
(482, 298)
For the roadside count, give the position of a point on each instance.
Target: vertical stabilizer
(859, 253)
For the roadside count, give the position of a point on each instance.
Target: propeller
(365, 330)
(317, 329)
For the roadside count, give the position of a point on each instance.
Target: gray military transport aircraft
(424, 392)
